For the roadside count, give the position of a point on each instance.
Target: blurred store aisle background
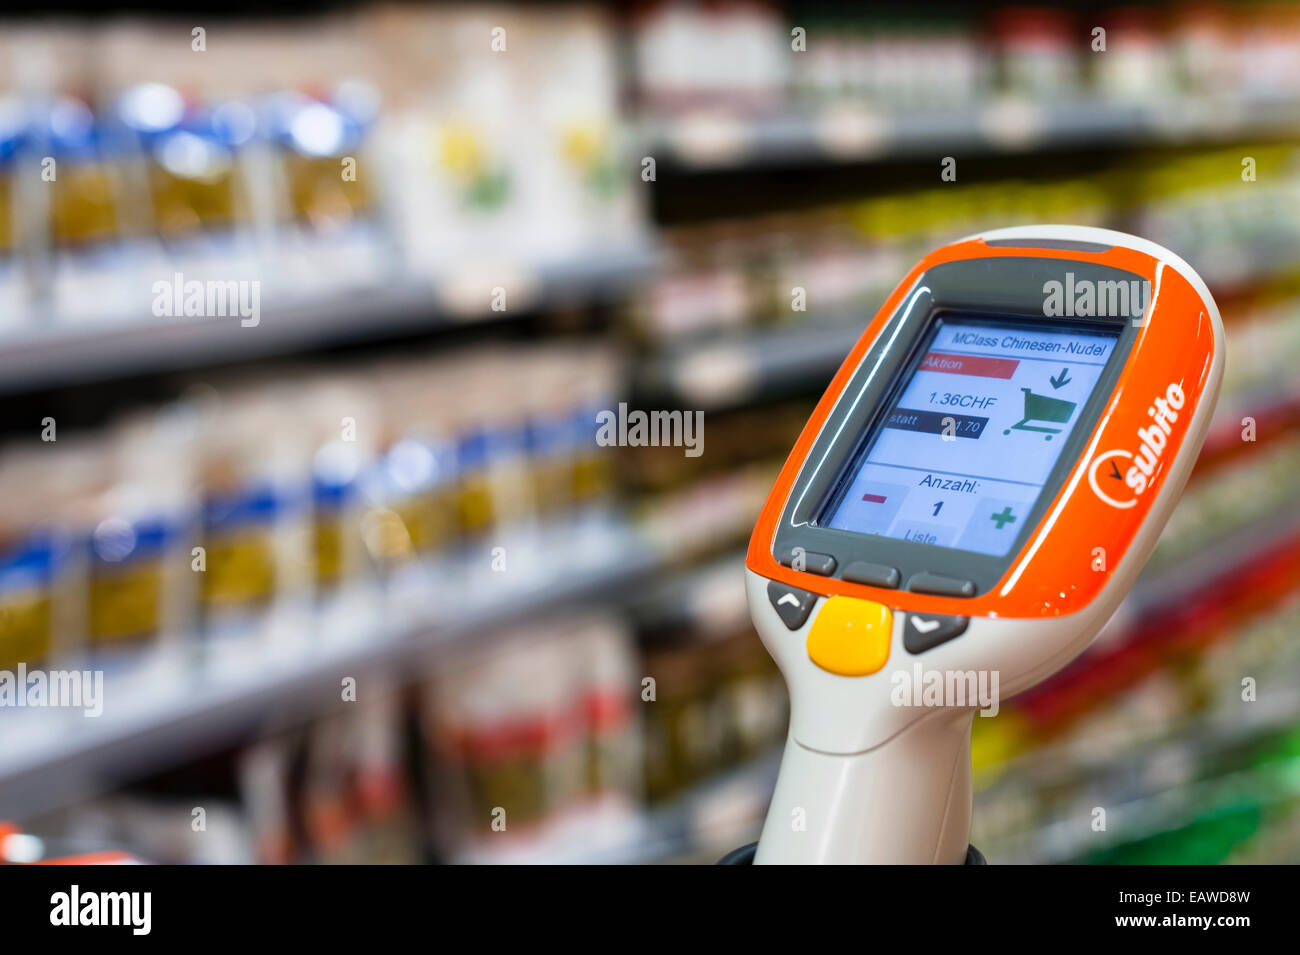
(305, 321)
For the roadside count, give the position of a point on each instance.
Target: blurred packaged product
(411, 507)
(264, 769)
(41, 569)
(717, 706)
(564, 388)
(534, 739)
(142, 588)
(452, 138)
(14, 134)
(491, 452)
(504, 163)
(468, 458)
(729, 54)
(927, 62)
(344, 432)
(88, 208)
(327, 180)
(1036, 50)
(319, 140)
(355, 799)
(1203, 47)
(1265, 60)
(689, 294)
(257, 546)
(387, 802)
(1138, 61)
(612, 718)
(194, 180)
(84, 205)
(769, 270)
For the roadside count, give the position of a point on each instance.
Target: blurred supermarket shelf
(1175, 613)
(712, 818)
(42, 354)
(1275, 413)
(734, 369)
(1204, 572)
(850, 133)
(1125, 763)
(714, 815)
(44, 764)
(706, 821)
(50, 758)
(1152, 788)
(1072, 840)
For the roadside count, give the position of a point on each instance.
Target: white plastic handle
(908, 801)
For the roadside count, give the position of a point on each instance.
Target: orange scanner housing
(1092, 520)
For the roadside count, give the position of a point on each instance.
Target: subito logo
(1122, 488)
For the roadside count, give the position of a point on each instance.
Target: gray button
(877, 575)
(823, 564)
(791, 604)
(928, 583)
(925, 631)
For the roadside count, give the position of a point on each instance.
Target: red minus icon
(874, 498)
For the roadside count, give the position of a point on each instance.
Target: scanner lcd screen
(963, 451)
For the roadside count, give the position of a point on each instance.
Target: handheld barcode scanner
(972, 498)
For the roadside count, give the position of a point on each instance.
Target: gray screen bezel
(993, 288)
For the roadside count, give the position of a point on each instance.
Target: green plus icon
(1003, 517)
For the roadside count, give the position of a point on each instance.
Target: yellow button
(850, 636)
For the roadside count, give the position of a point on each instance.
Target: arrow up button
(791, 604)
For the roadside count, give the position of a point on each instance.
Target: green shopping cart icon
(1042, 408)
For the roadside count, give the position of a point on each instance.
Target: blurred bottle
(254, 471)
(343, 425)
(322, 140)
(39, 571)
(411, 496)
(87, 187)
(13, 135)
(1037, 53)
(508, 732)
(1138, 63)
(194, 180)
(144, 524)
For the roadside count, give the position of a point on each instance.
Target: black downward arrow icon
(1114, 470)
(1061, 380)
